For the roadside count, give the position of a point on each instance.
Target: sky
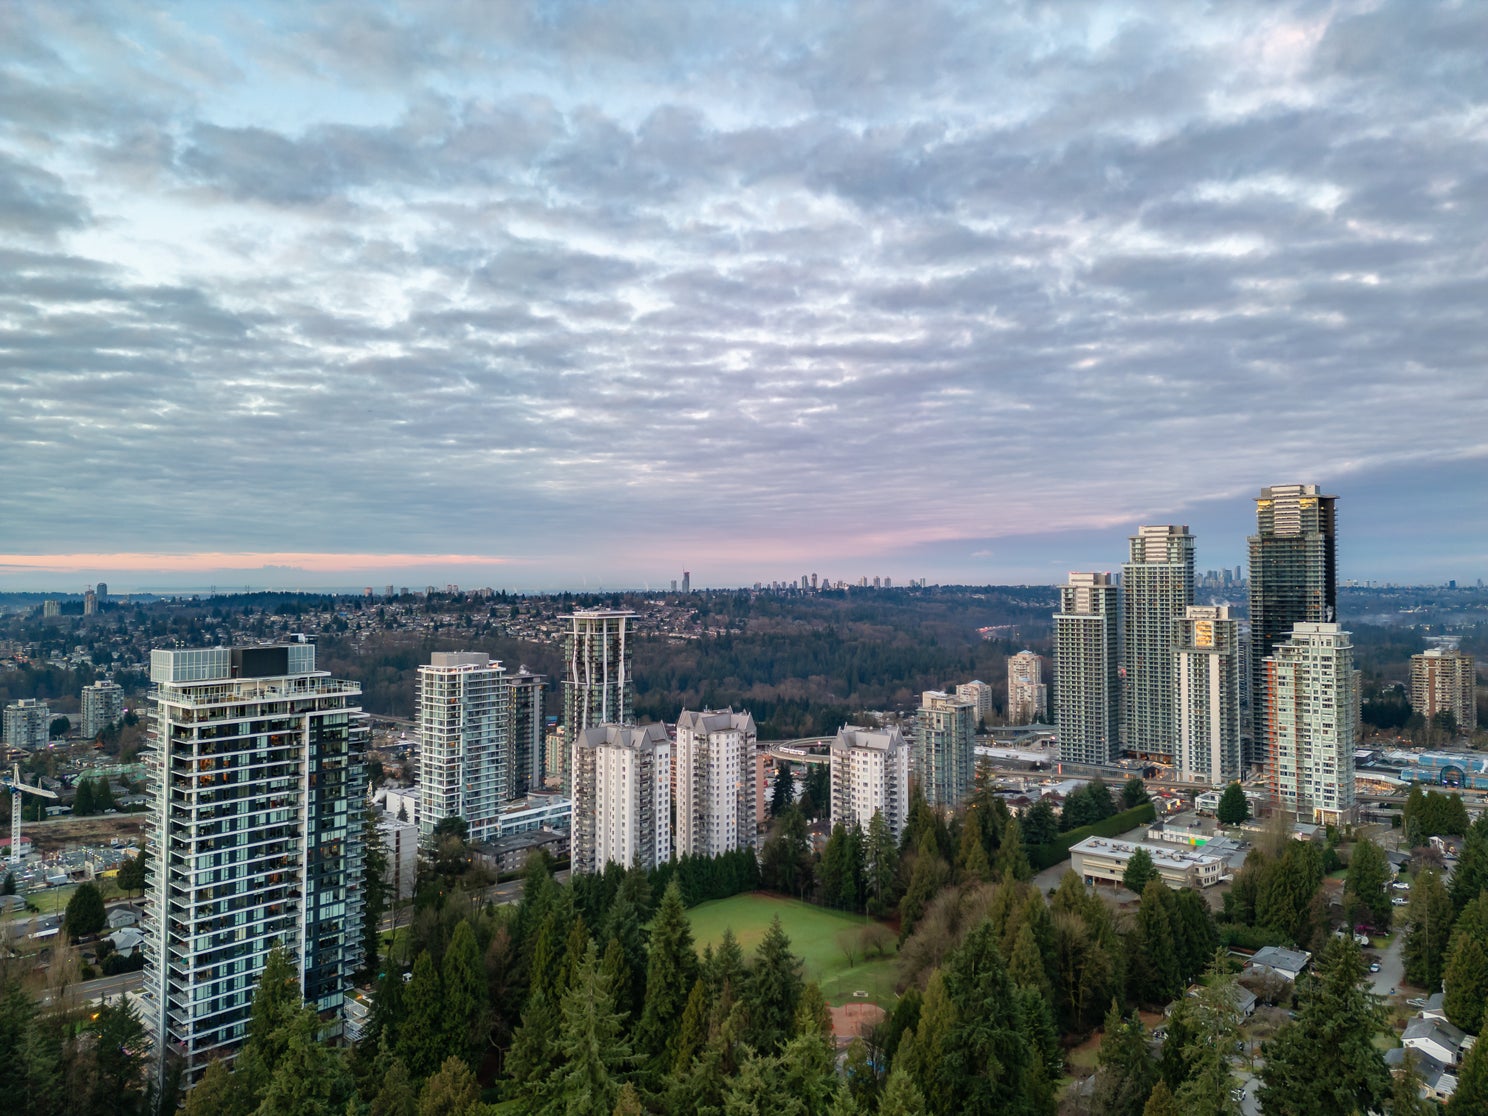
(586, 294)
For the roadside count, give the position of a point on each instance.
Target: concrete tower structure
(1310, 723)
(1211, 672)
(870, 774)
(463, 722)
(28, 724)
(944, 759)
(255, 776)
(715, 794)
(1028, 697)
(1087, 712)
(1293, 580)
(1445, 681)
(103, 705)
(598, 689)
(622, 797)
(1157, 584)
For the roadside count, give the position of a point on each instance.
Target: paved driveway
(1388, 980)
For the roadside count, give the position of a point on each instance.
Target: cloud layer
(607, 291)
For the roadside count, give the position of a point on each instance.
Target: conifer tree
(421, 1038)
(1139, 869)
(773, 990)
(395, 1093)
(593, 1053)
(452, 1091)
(1428, 935)
(1126, 1072)
(881, 865)
(1471, 1097)
(901, 1097)
(670, 973)
(1325, 1063)
(1466, 977)
(463, 983)
(1162, 1102)
(1012, 857)
(987, 1058)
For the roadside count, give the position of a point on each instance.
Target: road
(1388, 980)
(501, 894)
(109, 986)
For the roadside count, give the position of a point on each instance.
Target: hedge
(1046, 856)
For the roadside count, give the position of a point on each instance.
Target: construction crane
(17, 788)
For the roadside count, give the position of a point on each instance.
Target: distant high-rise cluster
(1196, 687)
(980, 695)
(1444, 680)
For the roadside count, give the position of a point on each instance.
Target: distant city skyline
(317, 296)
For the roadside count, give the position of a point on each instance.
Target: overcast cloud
(607, 291)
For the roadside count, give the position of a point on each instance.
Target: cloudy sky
(591, 293)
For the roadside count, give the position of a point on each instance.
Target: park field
(816, 936)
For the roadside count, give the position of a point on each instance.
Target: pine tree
(1471, 1097)
(452, 1091)
(1155, 972)
(901, 1097)
(1325, 1063)
(1162, 1102)
(1234, 807)
(1012, 857)
(925, 880)
(1139, 869)
(421, 1038)
(463, 983)
(692, 1036)
(82, 800)
(1026, 963)
(1466, 977)
(972, 865)
(1428, 930)
(592, 1047)
(395, 1093)
(881, 866)
(1405, 1091)
(1367, 881)
(783, 794)
(773, 990)
(922, 1051)
(84, 914)
(309, 1078)
(987, 1032)
(1126, 1072)
(670, 973)
(629, 1102)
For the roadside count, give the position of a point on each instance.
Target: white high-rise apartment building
(599, 688)
(1028, 697)
(103, 705)
(945, 739)
(1211, 665)
(1157, 584)
(255, 839)
(1087, 711)
(463, 726)
(27, 724)
(980, 695)
(715, 782)
(622, 797)
(1445, 681)
(870, 774)
(1310, 723)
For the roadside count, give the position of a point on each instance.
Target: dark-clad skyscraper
(1293, 579)
(1157, 585)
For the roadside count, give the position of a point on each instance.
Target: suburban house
(1287, 963)
(1436, 1038)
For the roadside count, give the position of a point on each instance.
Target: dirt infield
(851, 1020)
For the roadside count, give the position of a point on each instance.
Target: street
(109, 986)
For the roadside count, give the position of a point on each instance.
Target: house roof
(1435, 1030)
(1276, 957)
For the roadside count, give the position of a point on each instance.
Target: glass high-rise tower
(1293, 580)
(1157, 584)
(256, 781)
(1086, 677)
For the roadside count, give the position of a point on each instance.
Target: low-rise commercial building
(1105, 858)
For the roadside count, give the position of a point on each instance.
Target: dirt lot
(58, 833)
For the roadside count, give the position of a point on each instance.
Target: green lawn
(813, 933)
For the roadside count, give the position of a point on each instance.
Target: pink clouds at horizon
(216, 560)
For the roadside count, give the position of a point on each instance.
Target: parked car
(1374, 966)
